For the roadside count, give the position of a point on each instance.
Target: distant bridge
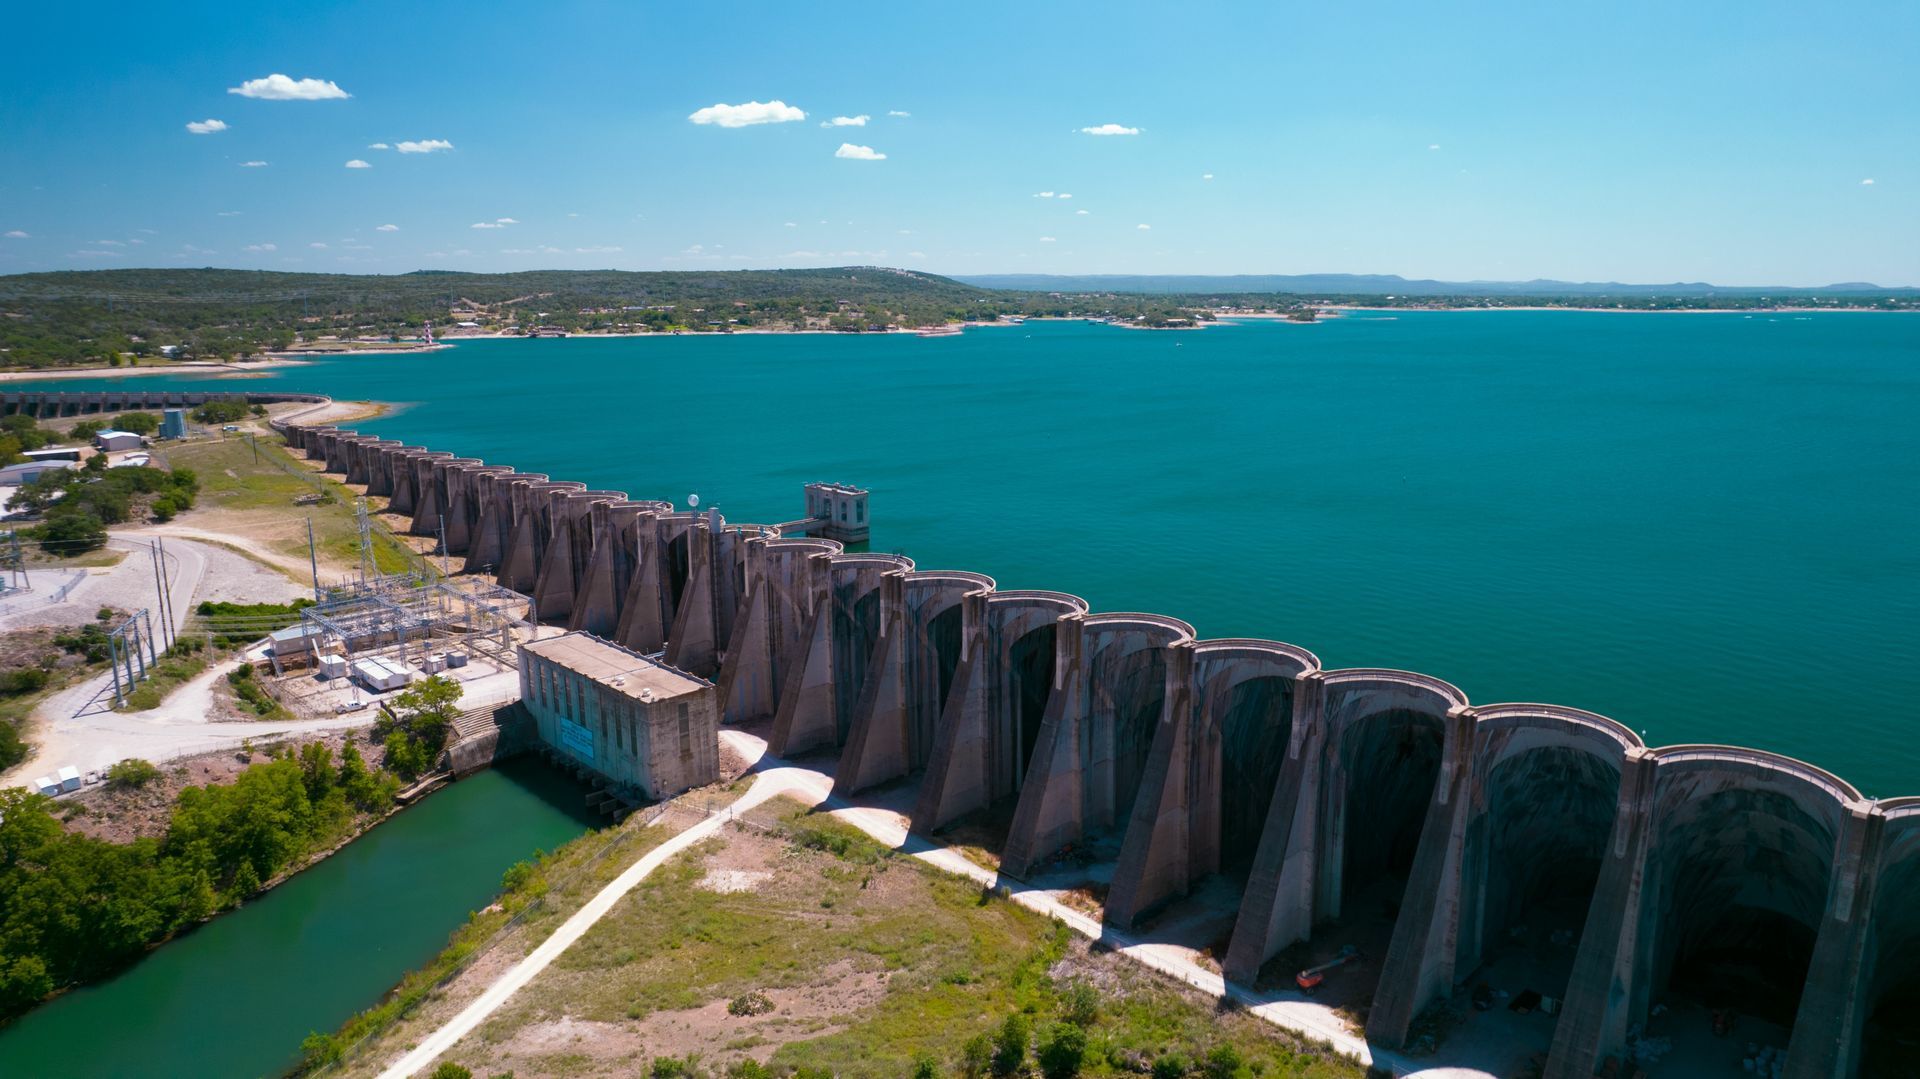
(60, 405)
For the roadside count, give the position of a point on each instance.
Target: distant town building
(633, 720)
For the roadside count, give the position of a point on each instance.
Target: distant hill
(1337, 284)
(87, 316)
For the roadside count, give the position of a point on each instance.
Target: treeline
(94, 316)
(77, 504)
(74, 908)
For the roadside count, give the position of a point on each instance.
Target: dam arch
(1000, 692)
(1889, 982)
(1112, 686)
(1215, 768)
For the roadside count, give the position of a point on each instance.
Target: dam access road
(1235, 791)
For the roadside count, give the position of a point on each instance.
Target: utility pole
(159, 583)
(169, 618)
(313, 561)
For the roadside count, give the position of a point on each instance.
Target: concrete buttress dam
(1686, 869)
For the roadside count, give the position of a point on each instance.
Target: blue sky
(1641, 142)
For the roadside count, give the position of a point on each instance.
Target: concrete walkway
(1316, 1022)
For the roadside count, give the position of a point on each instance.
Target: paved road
(775, 777)
(78, 726)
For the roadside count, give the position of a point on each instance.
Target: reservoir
(236, 996)
(1698, 524)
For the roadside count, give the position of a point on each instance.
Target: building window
(860, 513)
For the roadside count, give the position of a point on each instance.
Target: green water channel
(236, 996)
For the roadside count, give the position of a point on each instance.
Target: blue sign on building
(576, 740)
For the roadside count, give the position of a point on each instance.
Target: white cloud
(1433, 146)
(1064, 195)
(486, 225)
(16, 234)
(753, 112)
(253, 164)
(262, 247)
(1143, 226)
(694, 249)
(852, 152)
(606, 249)
(94, 254)
(388, 228)
(1206, 176)
(136, 240)
(317, 246)
(228, 213)
(1043, 194)
(281, 88)
(1046, 239)
(1868, 182)
(916, 254)
(378, 146)
(793, 224)
(110, 243)
(1082, 213)
(356, 163)
(898, 112)
(505, 221)
(1110, 129)
(847, 121)
(206, 127)
(424, 146)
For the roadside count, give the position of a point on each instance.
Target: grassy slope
(953, 965)
(261, 497)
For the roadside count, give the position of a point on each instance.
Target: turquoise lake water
(1701, 525)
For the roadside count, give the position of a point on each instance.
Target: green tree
(449, 1070)
(140, 423)
(69, 534)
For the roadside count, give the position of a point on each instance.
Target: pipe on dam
(1703, 871)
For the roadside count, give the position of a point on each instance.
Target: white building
(114, 441)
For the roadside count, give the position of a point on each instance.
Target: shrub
(132, 772)
(976, 1055)
(449, 1070)
(1010, 1045)
(1063, 1046)
(1080, 1004)
(1225, 1062)
(22, 681)
(754, 1003)
(1170, 1066)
